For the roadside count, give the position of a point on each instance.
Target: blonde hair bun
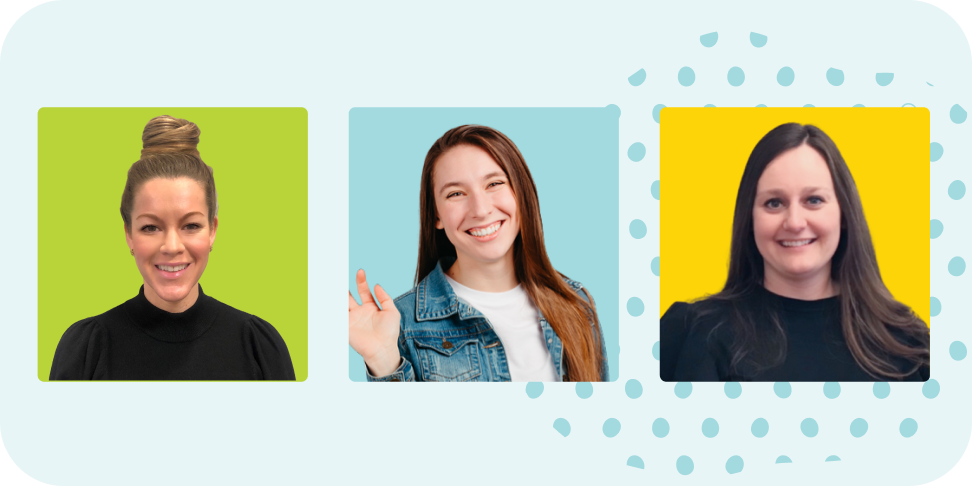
(167, 135)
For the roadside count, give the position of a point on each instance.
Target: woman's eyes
(151, 228)
(815, 200)
(491, 185)
(777, 203)
(494, 184)
(773, 204)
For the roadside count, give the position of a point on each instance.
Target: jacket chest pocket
(449, 359)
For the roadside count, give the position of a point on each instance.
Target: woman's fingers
(384, 299)
(363, 291)
(352, 304)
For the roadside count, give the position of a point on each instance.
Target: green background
(259, 261)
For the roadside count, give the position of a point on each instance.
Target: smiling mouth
(797, 243)
(485, 233)
(172, 268)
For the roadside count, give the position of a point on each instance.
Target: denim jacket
(443, 338)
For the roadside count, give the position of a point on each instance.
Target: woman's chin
(173, 293)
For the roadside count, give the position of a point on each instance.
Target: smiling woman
(804, 299)
(487, 303)
(171, 330)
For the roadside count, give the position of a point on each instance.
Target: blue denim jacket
(443, 338)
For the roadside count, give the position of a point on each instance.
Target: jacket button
(550, 340)
(446, 344)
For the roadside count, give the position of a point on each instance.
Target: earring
(210, 249)
(132, 251)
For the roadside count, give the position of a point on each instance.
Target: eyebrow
(805, 190)
(495, 173)
(152, 216)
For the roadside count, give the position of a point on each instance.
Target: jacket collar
(435, 298)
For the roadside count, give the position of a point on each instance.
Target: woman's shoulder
(707, 312)
(245, 321)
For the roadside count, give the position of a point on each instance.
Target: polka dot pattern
(734, 465)
(831, 390)
(710, 427)
(683, 389)
(956, 266)
(534, 389)
(760, 428)
(782, 389)
(660, 428)
(710, 39)
(635, 307)
(736, 76)
(636, 152)
(937, 228)
(881, 390)
(957, 114)
(835, 77)
(732, 389)
(909, 427)
(931, 388)
(611, 428)
(956, 190)
(936, 151)
(562, 426)
(686, 76)
(684, 465)
(638, 229)
(633, 389)
(957, 351)
(858, 427)
(785, 76)
(809, 427)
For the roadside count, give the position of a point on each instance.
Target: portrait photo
(795, 244)
(483, 244)
(172, 244)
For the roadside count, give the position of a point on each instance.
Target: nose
(172, 245)
(795, 221)
(481, 205)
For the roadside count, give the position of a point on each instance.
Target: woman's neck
(177, 307)
(498, 276)
(814, 287)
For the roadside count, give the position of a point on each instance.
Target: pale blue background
(332, 58)
(572, 154)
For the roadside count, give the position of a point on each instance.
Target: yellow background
(704, 152)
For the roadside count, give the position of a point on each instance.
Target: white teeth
(487, 231)
(796, 243)
(167, 268)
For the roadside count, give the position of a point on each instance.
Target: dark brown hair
(169, 152)
(568, 313)
(885, 337)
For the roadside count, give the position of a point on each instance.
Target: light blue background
(330, 58)
(572, 154)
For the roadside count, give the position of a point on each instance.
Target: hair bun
(167, 135)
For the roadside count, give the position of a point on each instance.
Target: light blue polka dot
(958, 351)
(936, 307)
(635, 461)
(633, 389)
(636, 152)
(786, 76)
(684, 465)
(930, 389)
(761, 106)
(710, 39)
(956, 266)
(736, 76)
(831, 389)
(956, 190)
(782, 389)
(808, 105)
(656, 266)
(760, 427)
(638, 229)
(611, 427)
(908, 104)
(584, 390)
(809, 427)
(710, 105)
(832, 459)
(635, 307)
(655, 350)
(656, 112)
(783, 460)
(683, 389)
(908, 427)
(858, 427)
(562, 426)
(659, 427)
(884, 79)
(710, 427)
(882, 390)
(957, 114)
(656, 190)
(686, 76)
(936, 151)
(732, 389)
(534, 389)
(757, 40)
(858, 106)
(936, 228)
(734, 465)
(637, 78)
(835, 77)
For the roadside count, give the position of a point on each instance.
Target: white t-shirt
(517, 323)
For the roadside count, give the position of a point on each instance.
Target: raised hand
(373, 331)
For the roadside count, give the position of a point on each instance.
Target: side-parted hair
(568, 313)
(169, 151)
(885, 337)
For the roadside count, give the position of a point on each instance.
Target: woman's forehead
(169, 195)
(464, 164)
(796, 169)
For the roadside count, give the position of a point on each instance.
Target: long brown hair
(870, 316)
(169, 151)
(568, 313)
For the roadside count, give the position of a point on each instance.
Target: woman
(804, 299)
(487, 304)
(171, 330)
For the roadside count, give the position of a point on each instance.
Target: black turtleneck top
(697, 345)
(138, 341)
